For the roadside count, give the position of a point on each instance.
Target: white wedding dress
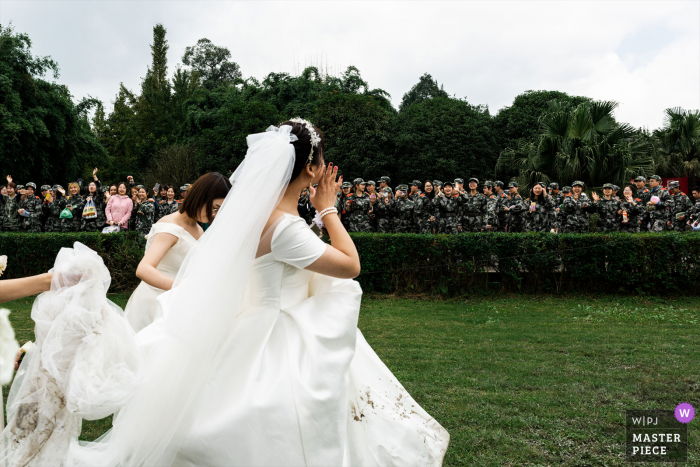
(248, 362)
(141, 308)
(298, 384)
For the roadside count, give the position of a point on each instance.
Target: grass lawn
(521, 380)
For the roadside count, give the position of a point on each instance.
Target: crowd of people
(449, 207)
(419, 207)
(89, 207)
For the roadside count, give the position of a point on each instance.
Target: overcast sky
(645, 55)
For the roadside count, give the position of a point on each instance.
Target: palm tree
(679, 143)
(580, 143)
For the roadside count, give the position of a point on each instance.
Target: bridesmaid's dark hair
(203, 192)
(302, 147)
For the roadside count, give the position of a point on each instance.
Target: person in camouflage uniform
(538, 210)
(423, 211)
(473, 208)
(403, 211)
(693, 214)
(560, 219)
(344, 213)
(658, 212)
(144, 211)
(501, 211)
(358, 206)
(52, 209)
(383, 211)
(557, 199)
(384, 182)
(643, 194)
(615, 189)
(11, 220)
(631, 208)
(304, 207)
(681, 204)
(94, 194)
(607, 208)
(515, 208)
(31, 205)
(492, 205)
(371, 191)
(577, 209)
(448, 205)
(74, 203)
(169, 206)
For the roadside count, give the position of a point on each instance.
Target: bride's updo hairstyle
(203, 192)
(302, 147)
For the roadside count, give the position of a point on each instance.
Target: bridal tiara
(315, 139)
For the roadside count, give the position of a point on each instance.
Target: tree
(217, 125)
(444, 138)
(172, 165)
(212, 64)
(580, 143)
(426, 88)
(521, 119)
(679, 142)
(44, 136)
(358, 134)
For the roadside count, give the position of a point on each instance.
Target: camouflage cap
(416, 183)
(358, 181)
(384, 179)
(674, 184)
(474, 179)
(542, 184)
(56, 187)
(459, 180)
(183, 188)
(655, 177)
(140, 186)
(402, 187)
(579, 183)
(566, 189)
(554, 186)
(187, 184)
(640, 178)
(488, 183)
(31, 184)
(437, 183)
(371, 182)
(387, 189)
(498, 183)
(616, 188)
(105, 189)
(45, 187)
(448, 183)
(346, 185)
(513, 185)
(19, 187)
(608, 185)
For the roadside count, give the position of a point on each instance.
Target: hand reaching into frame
(324, 195)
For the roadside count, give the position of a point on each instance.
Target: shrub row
(29, 254)
(447, 265)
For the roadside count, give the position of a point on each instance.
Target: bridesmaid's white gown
(141, 309)
(299, 385)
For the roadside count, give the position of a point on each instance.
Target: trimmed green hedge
(447, 265)
(452, 265)
(29, 254)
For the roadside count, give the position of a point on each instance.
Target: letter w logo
(684, 412)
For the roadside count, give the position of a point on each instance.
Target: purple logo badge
(684, 412)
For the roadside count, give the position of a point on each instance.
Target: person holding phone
(11, 221)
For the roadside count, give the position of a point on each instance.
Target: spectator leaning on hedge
(119, 208)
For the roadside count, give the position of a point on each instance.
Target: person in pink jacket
(119, 208)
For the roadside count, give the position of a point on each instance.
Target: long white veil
(199, 312)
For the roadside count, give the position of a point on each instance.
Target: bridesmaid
(169, 241)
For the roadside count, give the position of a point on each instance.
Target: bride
(169, 241)
(257, 359)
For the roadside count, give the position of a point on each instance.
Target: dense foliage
(43, 133)
(202, 112)
(447, 265)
